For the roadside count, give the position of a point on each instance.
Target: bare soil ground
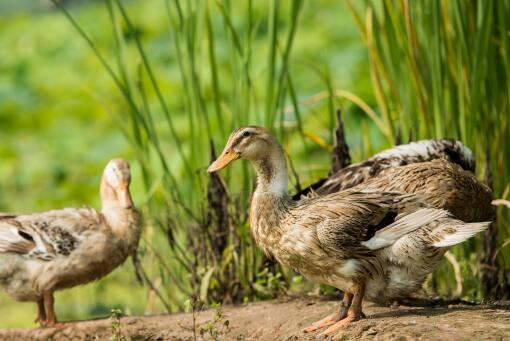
(284, 320)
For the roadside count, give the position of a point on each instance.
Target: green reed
(441, 68)
(430, 71)
(211, 255)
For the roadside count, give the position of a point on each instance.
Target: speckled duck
(351, 240)
(44, 252)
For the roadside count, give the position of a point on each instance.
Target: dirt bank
(283, 320)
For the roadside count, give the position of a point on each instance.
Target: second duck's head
(115, 184)
(251, 143)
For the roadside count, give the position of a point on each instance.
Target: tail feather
(461, 234)
(403, 226)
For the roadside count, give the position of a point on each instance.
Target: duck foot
(327, 321)
(48, 323)
(351, 317)
(331, 319)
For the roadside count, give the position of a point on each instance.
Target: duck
(43, 252)
(421, 151)
(441, 184)
(443, 176)
(344, 239)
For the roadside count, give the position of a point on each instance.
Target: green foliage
(442, 68)
(187, 72)
(198, 242)
(60, 119)
(215, 327)
(116, 326)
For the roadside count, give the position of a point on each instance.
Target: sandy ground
(284, 320)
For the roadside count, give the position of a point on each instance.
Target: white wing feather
(464, 232)
(403, 226)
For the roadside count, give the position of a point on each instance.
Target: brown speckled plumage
(407, 154)
(441, 184)
(351, 239)
(44, 252)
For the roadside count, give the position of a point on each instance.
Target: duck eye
(246, 133)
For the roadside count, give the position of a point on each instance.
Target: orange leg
(51, 318)
(41, 313)
(331, 319)
(354, 314)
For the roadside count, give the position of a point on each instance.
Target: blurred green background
(58, 131)
(190, 71)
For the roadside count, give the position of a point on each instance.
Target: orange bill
(225, 158)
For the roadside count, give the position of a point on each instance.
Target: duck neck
(272, 174)
(122, 221)
(271, 201)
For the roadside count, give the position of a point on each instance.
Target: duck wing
(358, 223)
(48, 234)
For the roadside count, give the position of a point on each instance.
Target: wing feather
(362, 216)
(404, 225)
(47, 234)
(461, 232)
(12, 241)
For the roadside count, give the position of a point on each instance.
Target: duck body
(44, 252)
(413, 153)
(62, 249)
(325, 239)
(441, 184)
(322, 238)
(354, 240)
(412, 258)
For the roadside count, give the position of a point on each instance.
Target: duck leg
(354, 313)
(333, 318)
(41, 313)
(51, 318)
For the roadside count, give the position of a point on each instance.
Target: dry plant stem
(151, 285)
(341, 157)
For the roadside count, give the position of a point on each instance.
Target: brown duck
(349, 240)
(412, 153)
(442, 177)
(44, 252)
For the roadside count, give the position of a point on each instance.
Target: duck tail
(453, 235)
(458, 153)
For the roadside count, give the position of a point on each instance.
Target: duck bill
(225, 158)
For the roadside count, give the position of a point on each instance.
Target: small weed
(217, 326)
(115, 325)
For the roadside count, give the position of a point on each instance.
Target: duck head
(256, 144)
(115, 184)
(251, 143)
